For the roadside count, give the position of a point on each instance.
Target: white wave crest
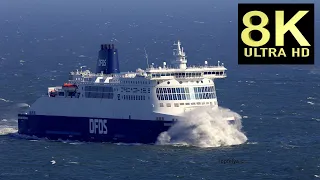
(7, 130)
(205, 127)
(5, 100)
(23, 105)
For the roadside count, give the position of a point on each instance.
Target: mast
(180, 55)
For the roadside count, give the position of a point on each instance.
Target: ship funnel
(102, 59)
(107, 62)
(113, 62)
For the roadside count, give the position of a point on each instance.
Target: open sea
(41, 41)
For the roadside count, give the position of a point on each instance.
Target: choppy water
(278, 106)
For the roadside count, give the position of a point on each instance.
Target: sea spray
(5, 130)
(205, 127)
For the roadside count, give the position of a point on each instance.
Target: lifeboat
(52, 93)
(69, 86)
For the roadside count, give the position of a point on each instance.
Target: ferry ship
(129, 107)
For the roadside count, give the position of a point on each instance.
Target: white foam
(73, 162)
(252, 142)
(205, 127)
(5, 100)
(311, 98)
(317, 119)
(128, 144)
(4, 130)
(309, 102)
(23, 105)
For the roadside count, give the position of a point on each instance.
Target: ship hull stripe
(92, 129)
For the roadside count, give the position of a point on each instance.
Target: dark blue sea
(41, 41)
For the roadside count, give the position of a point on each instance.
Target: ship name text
(98, 126)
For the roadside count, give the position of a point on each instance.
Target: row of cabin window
(99, 89)
(187, 104)
(99, 95)
(203, 89)
(205, 95)
(135, 82)
(172, 90)
(185, 96)
(67, 93)
(134, 97)
(177, 74)
(135, 90)
(214, 72)
(187, 74)
(173, 97)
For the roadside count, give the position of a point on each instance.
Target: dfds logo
(276, 33)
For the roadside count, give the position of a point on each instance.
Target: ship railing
(189, 67)
(159, 76)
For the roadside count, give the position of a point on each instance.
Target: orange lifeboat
(69, 86)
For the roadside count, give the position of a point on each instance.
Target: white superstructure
(161, 93)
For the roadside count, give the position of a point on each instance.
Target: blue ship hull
(92, 129)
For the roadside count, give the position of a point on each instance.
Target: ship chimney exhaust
(108, 62)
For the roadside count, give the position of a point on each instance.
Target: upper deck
(177, 70)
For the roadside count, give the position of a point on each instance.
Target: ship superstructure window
(177, 75)
(135, 90)
(214, 73)
(204, 92)
(173, 93)
(99, 92)
(134, 97)
(184, 94)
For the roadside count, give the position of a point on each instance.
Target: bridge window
(173, 94)
(204, 92)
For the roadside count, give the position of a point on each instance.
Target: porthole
(168, 82)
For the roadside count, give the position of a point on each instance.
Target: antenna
(82, 67)
(146, 55)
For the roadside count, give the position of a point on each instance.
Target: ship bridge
(180, 70)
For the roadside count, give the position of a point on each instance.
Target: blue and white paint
(123, 107)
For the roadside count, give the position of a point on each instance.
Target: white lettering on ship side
(102, 62)
(98, 126)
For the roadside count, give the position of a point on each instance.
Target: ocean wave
(5, 130)
(5, 100)
(205, 127)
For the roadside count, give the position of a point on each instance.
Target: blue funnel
(102, 59)
(113, 62)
